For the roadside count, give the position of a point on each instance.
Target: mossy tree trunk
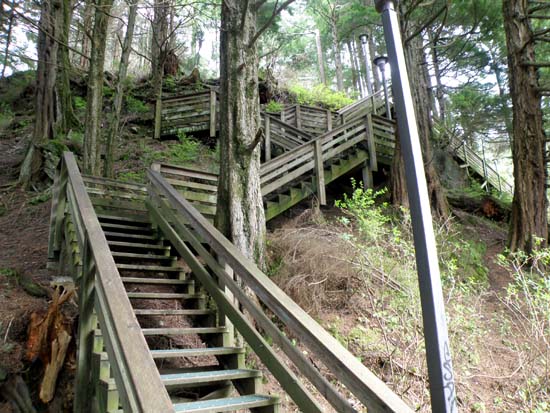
(94, 107)
(45, 102)
(240, 213)
(114, 124)
(67, 119)
(336, 51)
(529, 207)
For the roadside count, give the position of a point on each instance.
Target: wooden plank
(320, 173)
(290, 383)
(267, 142)
(138, 379)
(372, 392)
(212, 113)
(373, 161)
(158, 118)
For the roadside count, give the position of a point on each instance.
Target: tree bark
(398, 183)
(87, 33)
(68, 119)
(354, 79)
(94, 107)
(320, 58)
(439, 91)
(47, 48)
(8, 37)
(529, 207)
(337, 54)
(114, 126)
(364, 64)
(240, 214)
(375, 74)
(419, 79)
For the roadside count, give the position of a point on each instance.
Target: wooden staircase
(160, 308)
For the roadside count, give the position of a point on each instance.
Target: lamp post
(364, 39)
(381, 62)
(438, 354)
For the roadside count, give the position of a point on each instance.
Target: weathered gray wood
(320, 173)
(329, 120)
(137, 377)
(158, 118)
(373, 161)
(212, 113)
(267, 143)
(350, 371)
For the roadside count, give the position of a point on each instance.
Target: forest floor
(310, 250)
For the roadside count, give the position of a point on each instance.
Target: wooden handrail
(372, 392)
(136, 376)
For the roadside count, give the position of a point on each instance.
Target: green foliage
(79, 103)
(108, 92)
(41, 198)
(274, 107)
(187, 150)
(320, 95)
(132, 176)
(6, 115)
(134, 105)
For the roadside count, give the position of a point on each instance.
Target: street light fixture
(381, 62)
(364, 41)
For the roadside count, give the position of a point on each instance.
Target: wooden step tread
(165, 312)
(136, 219)
(133, 236)
(196, 352)
(144, 256)
(182, 331)
(169, 281)
(138, 245)
(165, 296)
(200, 377)
(111, 225)
(227, 404)
(158, 268)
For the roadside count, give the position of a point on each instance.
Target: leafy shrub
(274, 107)
(320, 95)
(79, 103)
(135, 105)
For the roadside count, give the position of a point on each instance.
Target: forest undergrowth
(356, 274)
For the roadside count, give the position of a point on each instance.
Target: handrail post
(438, 354)
(212, 113)
(59, 198)
(329, 120)
(298, 117)
(86, 324)
(498, 176)
(267, 141)
(320, 172)
(158, 120)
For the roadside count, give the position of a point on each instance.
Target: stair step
(202, 377)
(138, 245)
(157, 268)
(112, 226)
(167, 311)
(196, 352)
(135, 219)
(109, 234)
(227, 404)
(143, 256)
(169, 281)
(182, 331)
(165, 296)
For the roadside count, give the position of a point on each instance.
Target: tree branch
(276, 12)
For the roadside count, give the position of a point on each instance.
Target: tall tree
(94, 107)
(9, 32)
(240, 213)
(529, 207)
(45, 104)
(114, 122)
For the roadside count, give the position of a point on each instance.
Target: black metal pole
(438, 354)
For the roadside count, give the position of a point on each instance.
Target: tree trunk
(240, 214)
(47, 48)
(114, 126)
(418, 74)
(159, 41)
(364, 64)
(375, 74)
(320, 58)
(337, 55)
(68, 119)
(92, 135)
(398, 183)
(529, 207)
(8, 36)
(439, 91)
(354, 79)
(87, 33)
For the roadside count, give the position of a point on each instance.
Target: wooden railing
(281, 134)
(480, 166)
(312, 120)
(224, 263)
(189, 113)
(100, 290)
(369, 104)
